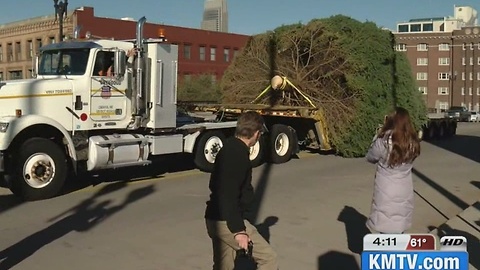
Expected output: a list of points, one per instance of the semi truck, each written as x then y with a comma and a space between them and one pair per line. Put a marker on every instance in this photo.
73, 118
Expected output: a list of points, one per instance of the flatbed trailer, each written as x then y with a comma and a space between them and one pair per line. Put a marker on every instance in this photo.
296, 128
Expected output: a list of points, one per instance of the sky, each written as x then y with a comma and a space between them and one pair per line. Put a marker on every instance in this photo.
245, 16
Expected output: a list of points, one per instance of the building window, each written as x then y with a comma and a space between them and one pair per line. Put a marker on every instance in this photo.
422, 89
444, 47
422, 47
38, 45
463, 91
214, 78
478, 91
471, 46
422, 61
52, 40
471, 76
403, 28
186, 51
478, 60
443, 106
464, 46
202, 53
1, 77
478, 76
30, 49
443, 90
463, 76
442, 76
212, 54
226, 55
477, 107
1, 53
415, 28
463, 61
235, 53
16, 75
471, 61
428, 27
422, 76
401, 47
469, 106
470, 92
18, 50
443, 61
10, 52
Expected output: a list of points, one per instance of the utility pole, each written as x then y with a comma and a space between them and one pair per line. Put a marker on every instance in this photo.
60, 12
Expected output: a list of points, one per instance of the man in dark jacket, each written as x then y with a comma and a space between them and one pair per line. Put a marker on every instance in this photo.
232, 197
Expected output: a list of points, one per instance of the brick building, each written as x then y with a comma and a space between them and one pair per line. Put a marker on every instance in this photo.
444, 54
200, 51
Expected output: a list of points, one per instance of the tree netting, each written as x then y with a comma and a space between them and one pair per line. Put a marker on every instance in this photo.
349, 70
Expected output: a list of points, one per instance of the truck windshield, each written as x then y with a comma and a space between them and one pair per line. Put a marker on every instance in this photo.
63, 62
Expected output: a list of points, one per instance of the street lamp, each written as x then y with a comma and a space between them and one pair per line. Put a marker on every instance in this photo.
60, 11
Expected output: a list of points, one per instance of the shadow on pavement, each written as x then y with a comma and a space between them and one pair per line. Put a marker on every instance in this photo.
476, 184
335, 260
264, 227
158, 167
447, 194
9, 201
473, 243
84, 216
355, 228
462, 145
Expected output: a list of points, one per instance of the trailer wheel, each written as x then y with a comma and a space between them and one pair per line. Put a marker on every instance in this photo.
452, 129
282, 143
207, 149
432, 131
441, 131
257, 152
39, 170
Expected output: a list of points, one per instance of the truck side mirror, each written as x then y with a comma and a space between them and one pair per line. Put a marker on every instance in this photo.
120, 63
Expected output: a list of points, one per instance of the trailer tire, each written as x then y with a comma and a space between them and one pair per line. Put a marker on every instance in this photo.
39, 170
441, 131
206, 150
281, 143
432, 131
257, 152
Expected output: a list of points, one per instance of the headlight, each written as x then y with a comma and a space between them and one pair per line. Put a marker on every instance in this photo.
3, 127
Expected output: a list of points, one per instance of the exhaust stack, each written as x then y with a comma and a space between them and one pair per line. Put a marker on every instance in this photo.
138, 89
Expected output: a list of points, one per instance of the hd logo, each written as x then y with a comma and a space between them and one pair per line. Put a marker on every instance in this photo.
453, 243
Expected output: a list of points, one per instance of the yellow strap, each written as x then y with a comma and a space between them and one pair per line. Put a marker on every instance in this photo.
298, 90
261, 94
282, 87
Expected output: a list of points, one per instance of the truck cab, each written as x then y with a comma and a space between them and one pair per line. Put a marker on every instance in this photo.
90, 104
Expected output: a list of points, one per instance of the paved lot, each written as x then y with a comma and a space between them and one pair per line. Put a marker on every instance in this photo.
312, 211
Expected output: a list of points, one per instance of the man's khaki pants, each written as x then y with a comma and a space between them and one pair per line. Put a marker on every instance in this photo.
225, 247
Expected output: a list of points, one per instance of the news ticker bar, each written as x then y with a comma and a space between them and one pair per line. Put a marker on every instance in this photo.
413, 242
414, 260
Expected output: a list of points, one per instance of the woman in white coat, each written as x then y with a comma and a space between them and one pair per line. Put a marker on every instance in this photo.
393, 150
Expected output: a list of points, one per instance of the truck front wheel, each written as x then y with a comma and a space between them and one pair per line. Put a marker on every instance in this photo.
207, 149
39, 170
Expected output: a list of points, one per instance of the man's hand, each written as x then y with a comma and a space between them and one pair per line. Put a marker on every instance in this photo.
132, 52
242, 239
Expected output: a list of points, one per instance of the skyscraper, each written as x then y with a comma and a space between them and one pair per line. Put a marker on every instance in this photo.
215, 16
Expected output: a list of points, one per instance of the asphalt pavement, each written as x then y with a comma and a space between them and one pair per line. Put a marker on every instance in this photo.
312, 211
